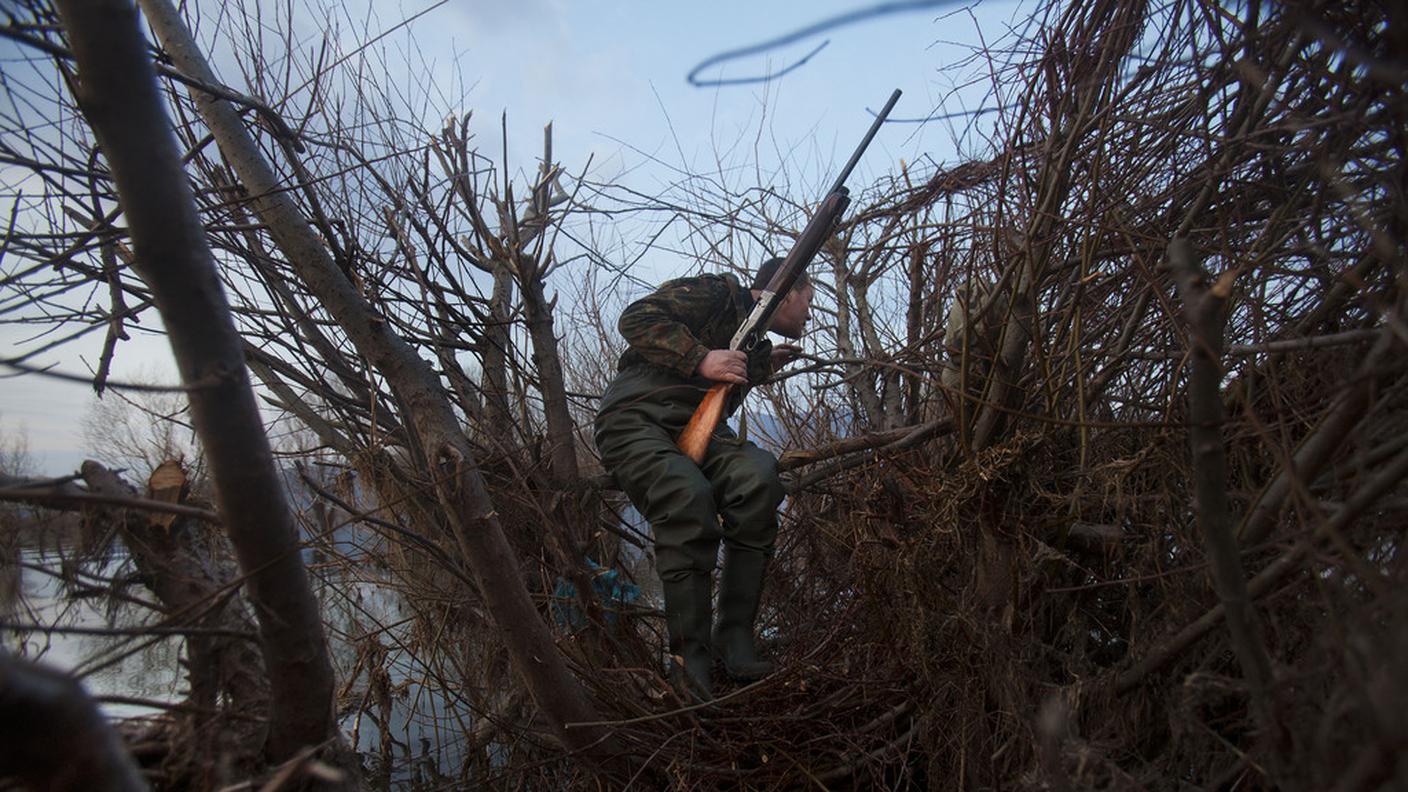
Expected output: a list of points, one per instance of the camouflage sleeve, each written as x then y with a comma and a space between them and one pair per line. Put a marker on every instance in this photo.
662, 326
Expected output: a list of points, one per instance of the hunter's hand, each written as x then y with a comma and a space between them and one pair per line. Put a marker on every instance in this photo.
725, 365
782, 354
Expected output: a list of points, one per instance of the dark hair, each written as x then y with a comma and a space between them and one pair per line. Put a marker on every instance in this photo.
769, 268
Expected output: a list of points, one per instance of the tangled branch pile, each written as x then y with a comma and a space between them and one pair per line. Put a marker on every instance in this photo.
1080, 506
1029, 598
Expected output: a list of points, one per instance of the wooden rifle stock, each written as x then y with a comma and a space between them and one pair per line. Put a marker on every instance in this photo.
694, 440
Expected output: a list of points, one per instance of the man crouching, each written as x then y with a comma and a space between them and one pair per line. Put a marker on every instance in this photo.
679, 338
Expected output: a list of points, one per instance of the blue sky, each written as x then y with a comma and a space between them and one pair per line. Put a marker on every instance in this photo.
617, 72
611, 78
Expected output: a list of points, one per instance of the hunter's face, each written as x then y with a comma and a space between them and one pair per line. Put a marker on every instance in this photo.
790, 319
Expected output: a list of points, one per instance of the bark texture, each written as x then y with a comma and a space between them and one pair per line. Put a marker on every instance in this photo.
459, 486
118, 94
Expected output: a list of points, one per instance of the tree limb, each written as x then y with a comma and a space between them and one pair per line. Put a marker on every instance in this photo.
118, 94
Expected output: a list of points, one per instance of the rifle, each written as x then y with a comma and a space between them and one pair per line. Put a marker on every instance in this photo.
694, 440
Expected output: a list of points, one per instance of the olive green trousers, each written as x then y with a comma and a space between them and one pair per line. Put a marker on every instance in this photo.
731, 498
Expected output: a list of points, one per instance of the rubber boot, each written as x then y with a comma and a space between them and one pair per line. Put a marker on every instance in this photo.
688, 613
740, 589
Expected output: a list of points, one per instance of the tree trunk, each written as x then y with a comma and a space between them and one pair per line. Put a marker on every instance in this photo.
118, 95
562, 441
862, 387
460, 486
494, 346
1204, 309
187, 564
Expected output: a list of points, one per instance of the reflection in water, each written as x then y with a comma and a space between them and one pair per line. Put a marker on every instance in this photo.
393, 711
397, 717
125, 666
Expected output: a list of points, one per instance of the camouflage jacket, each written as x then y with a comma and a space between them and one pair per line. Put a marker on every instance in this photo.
683, 320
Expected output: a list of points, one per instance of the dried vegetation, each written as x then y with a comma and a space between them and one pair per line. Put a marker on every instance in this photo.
1095, 463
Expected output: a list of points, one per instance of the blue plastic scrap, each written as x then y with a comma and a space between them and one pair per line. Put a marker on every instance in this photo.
613, 592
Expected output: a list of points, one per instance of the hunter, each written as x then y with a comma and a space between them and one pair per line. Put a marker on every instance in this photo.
679, 338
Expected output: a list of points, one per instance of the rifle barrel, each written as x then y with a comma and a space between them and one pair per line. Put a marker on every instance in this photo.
875, 127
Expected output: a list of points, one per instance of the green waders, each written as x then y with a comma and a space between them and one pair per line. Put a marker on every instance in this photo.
732, 498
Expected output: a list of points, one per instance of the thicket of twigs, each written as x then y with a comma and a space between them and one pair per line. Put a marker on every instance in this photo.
1027, 590
1095, 463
